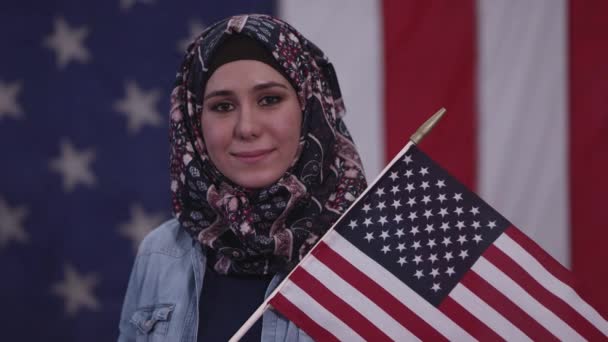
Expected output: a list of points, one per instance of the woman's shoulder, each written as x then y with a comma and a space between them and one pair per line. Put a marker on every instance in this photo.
169, 238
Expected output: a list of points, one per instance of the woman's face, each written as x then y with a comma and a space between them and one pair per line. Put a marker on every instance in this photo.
251, 122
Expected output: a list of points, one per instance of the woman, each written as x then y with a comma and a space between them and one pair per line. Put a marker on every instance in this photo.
261, 167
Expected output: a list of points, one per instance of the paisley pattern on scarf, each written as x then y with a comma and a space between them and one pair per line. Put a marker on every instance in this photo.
267, 230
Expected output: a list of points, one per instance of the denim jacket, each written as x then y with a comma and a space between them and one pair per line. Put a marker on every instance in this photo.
162, 299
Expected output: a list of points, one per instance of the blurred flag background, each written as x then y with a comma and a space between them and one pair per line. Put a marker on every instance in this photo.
84, 90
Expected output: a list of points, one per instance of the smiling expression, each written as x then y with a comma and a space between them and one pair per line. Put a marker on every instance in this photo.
251, 123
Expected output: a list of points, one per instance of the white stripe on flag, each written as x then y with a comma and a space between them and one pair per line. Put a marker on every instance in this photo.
408, 297
524, 300
549, 281
487, 314
318, 313
358, 301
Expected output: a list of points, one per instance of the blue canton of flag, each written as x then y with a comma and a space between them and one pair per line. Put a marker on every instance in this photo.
420, 257
84, 100
423, 226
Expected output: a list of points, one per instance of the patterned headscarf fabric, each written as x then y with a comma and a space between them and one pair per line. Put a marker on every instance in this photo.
263, 231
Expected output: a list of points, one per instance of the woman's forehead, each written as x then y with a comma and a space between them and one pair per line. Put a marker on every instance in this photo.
246, 75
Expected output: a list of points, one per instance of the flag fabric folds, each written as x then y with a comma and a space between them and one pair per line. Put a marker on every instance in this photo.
421, 257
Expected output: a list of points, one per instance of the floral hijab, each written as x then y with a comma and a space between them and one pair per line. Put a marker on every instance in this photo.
267, 230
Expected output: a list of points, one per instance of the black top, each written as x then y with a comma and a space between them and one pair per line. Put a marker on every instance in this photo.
226, 302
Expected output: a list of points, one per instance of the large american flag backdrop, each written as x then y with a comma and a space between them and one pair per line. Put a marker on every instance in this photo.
83, 131
419, 257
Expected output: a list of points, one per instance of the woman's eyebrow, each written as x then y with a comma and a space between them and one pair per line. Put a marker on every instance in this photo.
218, 93
257, 87
267, 85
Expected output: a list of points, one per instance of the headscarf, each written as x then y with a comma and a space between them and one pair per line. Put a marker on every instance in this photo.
263, 231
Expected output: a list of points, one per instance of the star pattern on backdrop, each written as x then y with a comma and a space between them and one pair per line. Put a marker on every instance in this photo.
68, 43
195, 27
74, 166
126, 5
9, 107
140, 224
11, 223
76, 290
84, 95
139, 107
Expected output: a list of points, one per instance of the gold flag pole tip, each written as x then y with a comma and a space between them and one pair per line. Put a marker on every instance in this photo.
426, 127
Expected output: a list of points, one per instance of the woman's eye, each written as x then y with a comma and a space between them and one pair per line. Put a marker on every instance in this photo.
222, 107
269, 100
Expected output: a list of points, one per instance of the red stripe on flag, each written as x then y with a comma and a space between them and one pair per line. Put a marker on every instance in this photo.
544, 296
337, 306
544, 258
429, 62
317, 332
467, 321
588, 76
506, 307
376, 293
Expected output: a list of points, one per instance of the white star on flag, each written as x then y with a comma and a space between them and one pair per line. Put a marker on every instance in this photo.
140, 107
401, 261
74, 166
416, 245
68, 43
353, 224
393, 176
77, 291
140, 224
11, 223
396, 204
441, 198
395, 189
9, 106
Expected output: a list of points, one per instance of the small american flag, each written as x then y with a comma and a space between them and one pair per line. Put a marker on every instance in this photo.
419, 256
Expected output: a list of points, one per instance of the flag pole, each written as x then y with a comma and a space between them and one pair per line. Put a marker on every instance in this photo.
415, 139
427, 126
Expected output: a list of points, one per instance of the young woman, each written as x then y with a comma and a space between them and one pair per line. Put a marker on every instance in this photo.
261, 166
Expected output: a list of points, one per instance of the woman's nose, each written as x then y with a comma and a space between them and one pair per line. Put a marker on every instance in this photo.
248, 125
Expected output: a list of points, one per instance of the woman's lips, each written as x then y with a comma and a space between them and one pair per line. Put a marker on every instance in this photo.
252, 156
